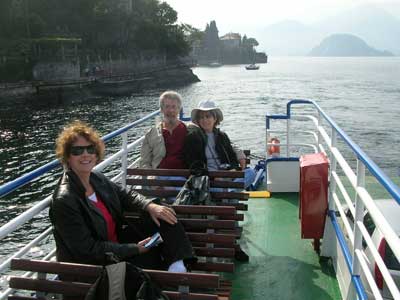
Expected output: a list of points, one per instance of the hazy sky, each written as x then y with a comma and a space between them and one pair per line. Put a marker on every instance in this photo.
239, 16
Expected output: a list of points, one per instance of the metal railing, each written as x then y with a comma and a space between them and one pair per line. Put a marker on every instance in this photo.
351, 247
25, 217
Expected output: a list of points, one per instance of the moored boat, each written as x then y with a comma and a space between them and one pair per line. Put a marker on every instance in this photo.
252, 67
214, 64
282, 265
115, 86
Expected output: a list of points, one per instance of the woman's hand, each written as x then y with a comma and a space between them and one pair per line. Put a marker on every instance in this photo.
242, 163
159, 212
142, 248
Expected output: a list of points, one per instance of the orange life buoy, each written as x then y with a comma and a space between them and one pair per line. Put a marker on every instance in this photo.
273, 150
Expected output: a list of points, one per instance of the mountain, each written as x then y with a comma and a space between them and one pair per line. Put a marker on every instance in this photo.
377, 27
288, 38
345, 45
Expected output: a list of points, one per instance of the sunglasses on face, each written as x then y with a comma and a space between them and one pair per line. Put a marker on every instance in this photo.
206, 116
78, 150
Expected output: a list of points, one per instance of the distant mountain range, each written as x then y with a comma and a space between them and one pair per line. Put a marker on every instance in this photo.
345, 45
377, 27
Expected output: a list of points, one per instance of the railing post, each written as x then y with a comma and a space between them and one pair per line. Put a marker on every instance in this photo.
359, 216
332, 182
124, 158
329, 245
287, 137
319, 137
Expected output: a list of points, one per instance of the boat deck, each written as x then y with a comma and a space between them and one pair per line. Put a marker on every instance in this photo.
282, 265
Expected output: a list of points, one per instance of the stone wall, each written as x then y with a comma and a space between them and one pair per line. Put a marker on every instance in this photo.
59, 70
118, 65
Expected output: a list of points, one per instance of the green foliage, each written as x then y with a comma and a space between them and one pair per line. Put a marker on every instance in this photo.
191, 33
253, 42
165, 14
103, 25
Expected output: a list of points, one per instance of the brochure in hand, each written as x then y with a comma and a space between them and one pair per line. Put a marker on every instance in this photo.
154, 241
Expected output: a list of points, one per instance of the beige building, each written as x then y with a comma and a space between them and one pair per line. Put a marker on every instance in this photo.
231, 40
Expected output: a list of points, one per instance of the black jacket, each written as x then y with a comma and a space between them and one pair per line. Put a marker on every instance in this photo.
79, 228
196, 143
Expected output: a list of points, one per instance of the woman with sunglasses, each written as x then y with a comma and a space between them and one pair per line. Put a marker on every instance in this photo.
206, 143
87, 213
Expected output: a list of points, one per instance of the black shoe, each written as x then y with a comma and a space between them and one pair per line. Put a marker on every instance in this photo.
240, 255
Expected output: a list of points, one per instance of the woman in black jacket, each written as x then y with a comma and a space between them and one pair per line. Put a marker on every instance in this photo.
207, 143
87, 213
212, 147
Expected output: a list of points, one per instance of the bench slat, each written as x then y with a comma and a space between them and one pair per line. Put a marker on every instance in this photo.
173, 193
16, 297
182, 173
80, 289
192, 279
238, 217
204, 210
226, 239
214, 252
180, 183
214, 267
204, 223
53, 267
191, 296
197, 224
239, 206
51, 286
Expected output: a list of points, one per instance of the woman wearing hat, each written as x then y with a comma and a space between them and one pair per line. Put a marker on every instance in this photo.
207, 143
211, 146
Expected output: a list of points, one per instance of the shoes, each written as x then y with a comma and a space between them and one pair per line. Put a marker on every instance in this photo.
240, 255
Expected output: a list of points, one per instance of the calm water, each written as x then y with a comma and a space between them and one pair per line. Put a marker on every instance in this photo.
361, 94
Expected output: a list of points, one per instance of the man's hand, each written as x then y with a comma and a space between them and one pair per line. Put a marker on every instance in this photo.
159, 212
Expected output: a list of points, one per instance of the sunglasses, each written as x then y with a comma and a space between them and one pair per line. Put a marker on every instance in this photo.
78, 150
206, 116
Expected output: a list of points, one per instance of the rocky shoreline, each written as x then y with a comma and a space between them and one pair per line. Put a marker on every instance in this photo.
164, 78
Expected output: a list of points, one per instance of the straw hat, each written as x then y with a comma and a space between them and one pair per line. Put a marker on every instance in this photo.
207, 105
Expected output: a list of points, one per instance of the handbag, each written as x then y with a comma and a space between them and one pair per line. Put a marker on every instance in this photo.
196, 190
124, 281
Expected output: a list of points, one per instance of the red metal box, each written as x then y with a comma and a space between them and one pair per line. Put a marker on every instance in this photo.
313, 194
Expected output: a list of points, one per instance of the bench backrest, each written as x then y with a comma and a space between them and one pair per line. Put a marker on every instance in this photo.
211, 238
213, 230
146, 182
206, 284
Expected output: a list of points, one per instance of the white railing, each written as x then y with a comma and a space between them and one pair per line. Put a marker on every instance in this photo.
339, 197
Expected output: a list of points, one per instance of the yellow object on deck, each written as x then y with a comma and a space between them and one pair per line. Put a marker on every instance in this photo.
259, 194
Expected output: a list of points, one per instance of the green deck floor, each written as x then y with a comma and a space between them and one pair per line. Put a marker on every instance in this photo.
282, 265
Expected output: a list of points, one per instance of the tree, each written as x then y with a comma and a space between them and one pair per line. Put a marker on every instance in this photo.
211, 41
165, 14
251, 42
191, 33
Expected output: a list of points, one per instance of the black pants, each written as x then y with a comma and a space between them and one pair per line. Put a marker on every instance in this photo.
175, 246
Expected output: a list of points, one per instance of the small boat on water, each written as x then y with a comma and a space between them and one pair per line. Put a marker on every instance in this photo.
118, 85
345, 246
214, 64
252, 67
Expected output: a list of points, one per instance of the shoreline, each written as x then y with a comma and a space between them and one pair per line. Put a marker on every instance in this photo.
121, 85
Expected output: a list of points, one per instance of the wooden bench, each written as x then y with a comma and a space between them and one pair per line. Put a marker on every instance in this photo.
147, 182
201, 222
212, 239
207, 286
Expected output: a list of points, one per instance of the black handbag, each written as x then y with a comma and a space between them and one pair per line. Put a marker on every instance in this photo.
196, 190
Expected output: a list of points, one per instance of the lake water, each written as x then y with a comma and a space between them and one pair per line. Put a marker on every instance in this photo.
361, 94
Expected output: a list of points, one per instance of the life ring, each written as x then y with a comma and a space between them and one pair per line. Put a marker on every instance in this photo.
274, 150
